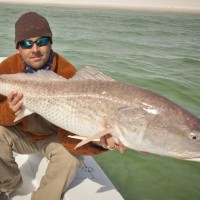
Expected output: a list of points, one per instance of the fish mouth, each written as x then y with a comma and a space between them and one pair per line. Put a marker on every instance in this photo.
193, 159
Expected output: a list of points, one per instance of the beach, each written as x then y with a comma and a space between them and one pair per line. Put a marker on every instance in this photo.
170, 5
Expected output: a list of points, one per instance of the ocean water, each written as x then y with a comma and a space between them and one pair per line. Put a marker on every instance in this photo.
155, 50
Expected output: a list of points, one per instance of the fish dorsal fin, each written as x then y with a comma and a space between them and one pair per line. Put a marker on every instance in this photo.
40, 75
90, 73
85, 73
48, 74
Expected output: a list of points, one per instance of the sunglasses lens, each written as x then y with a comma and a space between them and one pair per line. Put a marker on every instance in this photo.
42, 41
27, 44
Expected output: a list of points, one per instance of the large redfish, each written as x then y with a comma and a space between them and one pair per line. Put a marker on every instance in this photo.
92, 105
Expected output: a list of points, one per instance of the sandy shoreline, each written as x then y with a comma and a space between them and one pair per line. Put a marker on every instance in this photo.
168, 5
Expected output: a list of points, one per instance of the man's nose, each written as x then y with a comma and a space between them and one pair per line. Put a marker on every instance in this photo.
35, 48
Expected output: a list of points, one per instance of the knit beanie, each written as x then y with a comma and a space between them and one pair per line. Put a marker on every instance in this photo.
30, 25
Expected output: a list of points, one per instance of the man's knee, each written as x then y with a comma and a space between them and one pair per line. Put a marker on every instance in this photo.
3, 130
65, 157
5, 147
8, 134
3, 134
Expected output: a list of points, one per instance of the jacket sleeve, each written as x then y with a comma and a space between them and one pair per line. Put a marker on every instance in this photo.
6, 115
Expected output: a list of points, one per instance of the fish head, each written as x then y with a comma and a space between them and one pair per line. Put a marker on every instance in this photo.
192, 145
177, 136
180, 142
159, 133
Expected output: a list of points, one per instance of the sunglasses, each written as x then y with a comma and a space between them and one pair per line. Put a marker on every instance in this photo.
28, 44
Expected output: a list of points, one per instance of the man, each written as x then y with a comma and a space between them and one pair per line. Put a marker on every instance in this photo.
33, 40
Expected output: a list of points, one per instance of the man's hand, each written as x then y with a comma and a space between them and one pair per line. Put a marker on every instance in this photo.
15, 102
108, 142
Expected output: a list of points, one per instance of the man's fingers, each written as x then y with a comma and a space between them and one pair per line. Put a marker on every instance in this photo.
10, 97
121, 147
15, 101
17, 107
110, 141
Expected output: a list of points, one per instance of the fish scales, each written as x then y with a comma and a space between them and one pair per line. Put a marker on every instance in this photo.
141, 119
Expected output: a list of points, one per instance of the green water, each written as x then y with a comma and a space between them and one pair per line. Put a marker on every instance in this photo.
156, 50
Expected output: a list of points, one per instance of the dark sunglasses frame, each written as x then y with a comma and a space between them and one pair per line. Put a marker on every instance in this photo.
28, 44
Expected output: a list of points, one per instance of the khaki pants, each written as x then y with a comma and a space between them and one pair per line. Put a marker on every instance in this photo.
60, 172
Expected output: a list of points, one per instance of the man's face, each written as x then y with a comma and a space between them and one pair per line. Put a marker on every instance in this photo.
35, 56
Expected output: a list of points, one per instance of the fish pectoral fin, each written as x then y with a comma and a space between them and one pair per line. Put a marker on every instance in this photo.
94, 137
82, 138
25, 112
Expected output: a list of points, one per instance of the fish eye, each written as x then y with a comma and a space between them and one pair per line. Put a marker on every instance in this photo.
194, 135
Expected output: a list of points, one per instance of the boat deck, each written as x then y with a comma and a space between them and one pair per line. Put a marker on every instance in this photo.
90, 182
